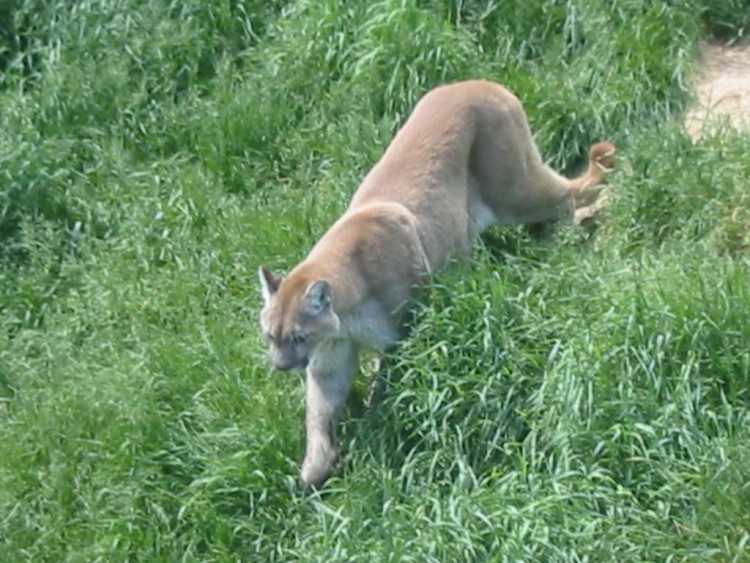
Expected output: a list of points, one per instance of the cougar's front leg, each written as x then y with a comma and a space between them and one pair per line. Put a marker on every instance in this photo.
329, 380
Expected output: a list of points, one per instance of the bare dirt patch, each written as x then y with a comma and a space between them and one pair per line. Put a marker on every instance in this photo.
723, 89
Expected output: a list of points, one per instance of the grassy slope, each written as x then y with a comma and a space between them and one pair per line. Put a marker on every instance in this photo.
560, 400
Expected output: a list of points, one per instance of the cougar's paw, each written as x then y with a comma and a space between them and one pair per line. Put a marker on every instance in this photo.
586, 216
314, 473
590, 214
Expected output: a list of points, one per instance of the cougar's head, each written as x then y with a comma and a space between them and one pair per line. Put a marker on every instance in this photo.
297, 315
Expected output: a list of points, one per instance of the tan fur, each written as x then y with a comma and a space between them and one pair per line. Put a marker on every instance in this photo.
464, 161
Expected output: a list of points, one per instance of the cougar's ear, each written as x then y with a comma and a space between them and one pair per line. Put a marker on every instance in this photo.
269, 282
318, 297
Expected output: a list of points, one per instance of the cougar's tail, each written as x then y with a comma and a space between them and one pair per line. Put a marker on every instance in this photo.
601, 161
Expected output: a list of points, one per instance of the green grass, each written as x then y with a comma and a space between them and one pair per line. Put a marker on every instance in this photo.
567, 400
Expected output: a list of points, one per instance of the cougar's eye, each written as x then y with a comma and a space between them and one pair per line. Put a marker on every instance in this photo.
299, 338
269, 337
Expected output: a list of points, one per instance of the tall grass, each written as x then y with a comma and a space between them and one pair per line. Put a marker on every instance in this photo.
572, 399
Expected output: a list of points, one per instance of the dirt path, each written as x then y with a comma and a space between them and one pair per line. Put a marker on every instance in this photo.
723, 89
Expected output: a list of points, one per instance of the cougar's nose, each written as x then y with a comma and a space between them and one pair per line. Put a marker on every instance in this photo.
287, 361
